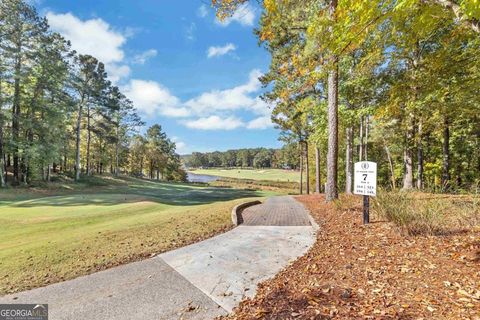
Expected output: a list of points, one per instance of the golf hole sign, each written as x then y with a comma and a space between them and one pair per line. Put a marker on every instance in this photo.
365, 178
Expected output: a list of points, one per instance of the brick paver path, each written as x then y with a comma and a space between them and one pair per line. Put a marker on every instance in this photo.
277, 211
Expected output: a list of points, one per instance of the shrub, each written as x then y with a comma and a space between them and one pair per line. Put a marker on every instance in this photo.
428, 214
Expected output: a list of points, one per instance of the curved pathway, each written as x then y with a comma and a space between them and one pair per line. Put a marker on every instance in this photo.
277, 211
199, 281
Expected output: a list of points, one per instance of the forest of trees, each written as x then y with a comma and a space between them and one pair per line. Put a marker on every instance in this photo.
59, 112
391, 81
286, 157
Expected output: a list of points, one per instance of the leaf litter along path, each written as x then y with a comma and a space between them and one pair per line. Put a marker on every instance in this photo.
199, 281
373, 272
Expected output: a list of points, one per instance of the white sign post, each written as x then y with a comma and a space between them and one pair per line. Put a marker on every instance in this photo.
365, 183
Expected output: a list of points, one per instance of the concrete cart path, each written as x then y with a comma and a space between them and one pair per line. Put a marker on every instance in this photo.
228, 267
200, 281
148, 289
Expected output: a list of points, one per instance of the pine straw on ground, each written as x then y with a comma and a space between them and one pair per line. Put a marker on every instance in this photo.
373, 272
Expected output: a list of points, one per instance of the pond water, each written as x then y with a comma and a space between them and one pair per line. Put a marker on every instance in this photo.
193, 177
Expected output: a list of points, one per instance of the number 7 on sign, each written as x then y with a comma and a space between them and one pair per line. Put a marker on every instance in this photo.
364, 177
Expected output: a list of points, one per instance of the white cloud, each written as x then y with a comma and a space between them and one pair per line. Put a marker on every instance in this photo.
143, 57
229, 99
213, 110
215, 123
245, 15
260, 107
94, 37
202, 11
181, 147
117, 72
190, 31
220, 51
216, 108
152, 98
263, 122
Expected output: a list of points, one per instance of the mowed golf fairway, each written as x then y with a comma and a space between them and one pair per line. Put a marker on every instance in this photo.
47, 239
253, 174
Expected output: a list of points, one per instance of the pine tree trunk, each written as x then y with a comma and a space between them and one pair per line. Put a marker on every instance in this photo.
446, 156
408, 159
26, 165
88, 141
317, 170
331, 192
390, 164
151, 170
301, 171
420, 156
16, 116
365, 148
349, 162
307, 169
116, 152
24, 168
3, 182
408, 163
77, 146
360, 152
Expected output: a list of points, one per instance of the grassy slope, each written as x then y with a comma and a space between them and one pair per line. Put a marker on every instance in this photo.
69, 230
253, 174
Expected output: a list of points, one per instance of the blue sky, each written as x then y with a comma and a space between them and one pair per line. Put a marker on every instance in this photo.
182, 68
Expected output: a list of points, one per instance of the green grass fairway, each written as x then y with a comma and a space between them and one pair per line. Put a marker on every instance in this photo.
57, 234
253, 174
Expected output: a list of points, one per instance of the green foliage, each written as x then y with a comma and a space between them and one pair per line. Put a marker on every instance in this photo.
408, 83
59, 112
246, 158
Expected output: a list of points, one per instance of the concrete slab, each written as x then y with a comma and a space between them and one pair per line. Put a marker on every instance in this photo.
147, 289
228, 267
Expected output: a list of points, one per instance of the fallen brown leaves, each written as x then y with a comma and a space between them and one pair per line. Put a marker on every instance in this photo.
373, 272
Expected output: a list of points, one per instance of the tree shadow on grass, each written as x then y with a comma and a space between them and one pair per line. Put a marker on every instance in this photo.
164, 193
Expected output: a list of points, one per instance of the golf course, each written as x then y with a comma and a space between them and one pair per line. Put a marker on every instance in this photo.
252, 174
66, 230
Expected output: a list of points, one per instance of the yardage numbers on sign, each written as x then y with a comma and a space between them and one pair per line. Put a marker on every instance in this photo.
365, 178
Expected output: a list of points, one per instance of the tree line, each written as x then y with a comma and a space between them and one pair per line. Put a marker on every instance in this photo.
59, 112
391, 81
284, 158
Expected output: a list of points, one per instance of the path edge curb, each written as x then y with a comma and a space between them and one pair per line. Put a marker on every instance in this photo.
237, 218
